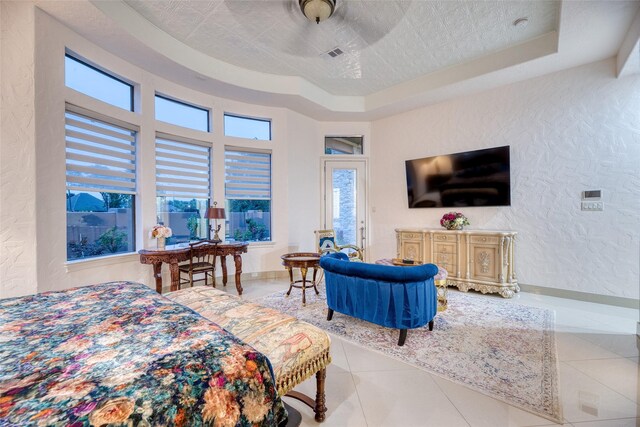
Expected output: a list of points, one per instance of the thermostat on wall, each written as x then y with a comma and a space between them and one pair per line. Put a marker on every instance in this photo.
592, 195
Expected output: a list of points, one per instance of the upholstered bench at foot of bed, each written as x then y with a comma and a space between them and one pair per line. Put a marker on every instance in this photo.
295, 348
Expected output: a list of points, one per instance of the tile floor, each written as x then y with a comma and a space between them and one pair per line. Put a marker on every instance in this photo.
599, 377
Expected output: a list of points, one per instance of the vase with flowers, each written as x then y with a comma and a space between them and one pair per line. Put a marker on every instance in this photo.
454, 221
161, 233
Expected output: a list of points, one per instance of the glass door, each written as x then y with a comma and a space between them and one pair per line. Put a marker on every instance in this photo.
345, 201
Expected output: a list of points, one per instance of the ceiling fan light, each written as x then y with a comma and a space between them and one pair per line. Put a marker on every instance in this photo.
317, 10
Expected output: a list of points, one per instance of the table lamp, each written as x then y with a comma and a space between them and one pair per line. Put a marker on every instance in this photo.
215, 214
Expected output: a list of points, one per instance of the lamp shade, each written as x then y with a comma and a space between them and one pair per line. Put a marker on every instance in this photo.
215, 213
317, 10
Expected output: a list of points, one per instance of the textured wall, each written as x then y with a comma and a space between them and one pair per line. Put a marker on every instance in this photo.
33, 168
570, 131
17, 151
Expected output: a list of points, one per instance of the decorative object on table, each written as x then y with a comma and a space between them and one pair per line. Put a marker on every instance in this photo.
161, 233
215, 214
454, 221
497, 347
402, 262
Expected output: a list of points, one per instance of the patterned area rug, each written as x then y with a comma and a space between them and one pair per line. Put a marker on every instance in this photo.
497, 347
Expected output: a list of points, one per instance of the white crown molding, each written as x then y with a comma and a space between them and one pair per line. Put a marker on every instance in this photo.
116, 27
156, 39
628, 58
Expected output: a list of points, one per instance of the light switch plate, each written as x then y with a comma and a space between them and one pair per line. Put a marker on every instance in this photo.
592, 206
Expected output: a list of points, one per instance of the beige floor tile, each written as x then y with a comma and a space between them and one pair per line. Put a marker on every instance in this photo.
483, 411
625, 345
367, 388
365, 360
619, 374
571, 346
339, 361
343, 405
407, 398
625, 422
585, 399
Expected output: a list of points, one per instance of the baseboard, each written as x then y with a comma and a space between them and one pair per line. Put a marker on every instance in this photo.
581, 296
260, 275
244, 277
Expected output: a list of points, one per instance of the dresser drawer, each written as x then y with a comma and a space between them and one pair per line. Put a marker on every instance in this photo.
437, 237
411, 236
445, 248
445, 257
487, 240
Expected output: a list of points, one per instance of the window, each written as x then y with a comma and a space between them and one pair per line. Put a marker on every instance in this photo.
248, 194
181, 114
343, 144
183, 182
101, 185
97, 83
246, 127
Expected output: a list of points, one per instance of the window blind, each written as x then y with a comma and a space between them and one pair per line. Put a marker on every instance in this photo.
183, 169
247, 174
100, 156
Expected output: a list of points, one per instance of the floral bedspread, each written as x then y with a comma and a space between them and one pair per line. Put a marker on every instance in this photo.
119, 354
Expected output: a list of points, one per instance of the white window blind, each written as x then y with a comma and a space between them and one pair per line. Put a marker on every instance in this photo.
100, 156
247, 174
183, 168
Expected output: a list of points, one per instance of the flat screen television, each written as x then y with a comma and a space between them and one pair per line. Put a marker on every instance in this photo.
472, 178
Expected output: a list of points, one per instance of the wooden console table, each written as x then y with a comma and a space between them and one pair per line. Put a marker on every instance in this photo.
481, 260
175, 254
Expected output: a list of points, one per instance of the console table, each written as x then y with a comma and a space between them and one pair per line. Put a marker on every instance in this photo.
174, 254
481, 260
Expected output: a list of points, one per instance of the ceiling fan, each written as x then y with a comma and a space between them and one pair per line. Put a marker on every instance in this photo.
317, 10
350, 25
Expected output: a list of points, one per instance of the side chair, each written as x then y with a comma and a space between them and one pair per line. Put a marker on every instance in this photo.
326, 243
202, 260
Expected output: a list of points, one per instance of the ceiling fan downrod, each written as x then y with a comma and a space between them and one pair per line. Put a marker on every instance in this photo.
317, 10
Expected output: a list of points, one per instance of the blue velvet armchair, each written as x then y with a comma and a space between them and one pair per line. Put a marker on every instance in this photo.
390, 296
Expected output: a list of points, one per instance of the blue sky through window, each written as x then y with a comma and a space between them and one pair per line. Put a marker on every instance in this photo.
97, 84
246, 127
181, 114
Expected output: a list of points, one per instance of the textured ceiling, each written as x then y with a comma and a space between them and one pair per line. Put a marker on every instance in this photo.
384, 42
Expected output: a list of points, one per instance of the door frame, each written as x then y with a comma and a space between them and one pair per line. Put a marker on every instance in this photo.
324, 160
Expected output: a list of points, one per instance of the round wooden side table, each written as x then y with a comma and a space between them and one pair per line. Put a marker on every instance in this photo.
304, 261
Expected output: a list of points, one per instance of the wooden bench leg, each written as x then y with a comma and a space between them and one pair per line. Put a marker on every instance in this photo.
320, 408
317, 405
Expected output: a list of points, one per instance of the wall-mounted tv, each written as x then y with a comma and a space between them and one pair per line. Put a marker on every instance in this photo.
472, 178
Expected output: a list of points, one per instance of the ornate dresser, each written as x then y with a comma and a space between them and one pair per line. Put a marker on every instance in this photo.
481, 260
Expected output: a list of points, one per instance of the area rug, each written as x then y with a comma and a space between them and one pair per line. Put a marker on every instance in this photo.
497, 347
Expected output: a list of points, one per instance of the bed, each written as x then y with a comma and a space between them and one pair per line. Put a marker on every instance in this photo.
120, 354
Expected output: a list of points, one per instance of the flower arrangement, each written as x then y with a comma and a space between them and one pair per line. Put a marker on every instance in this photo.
454, 221
160, 231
